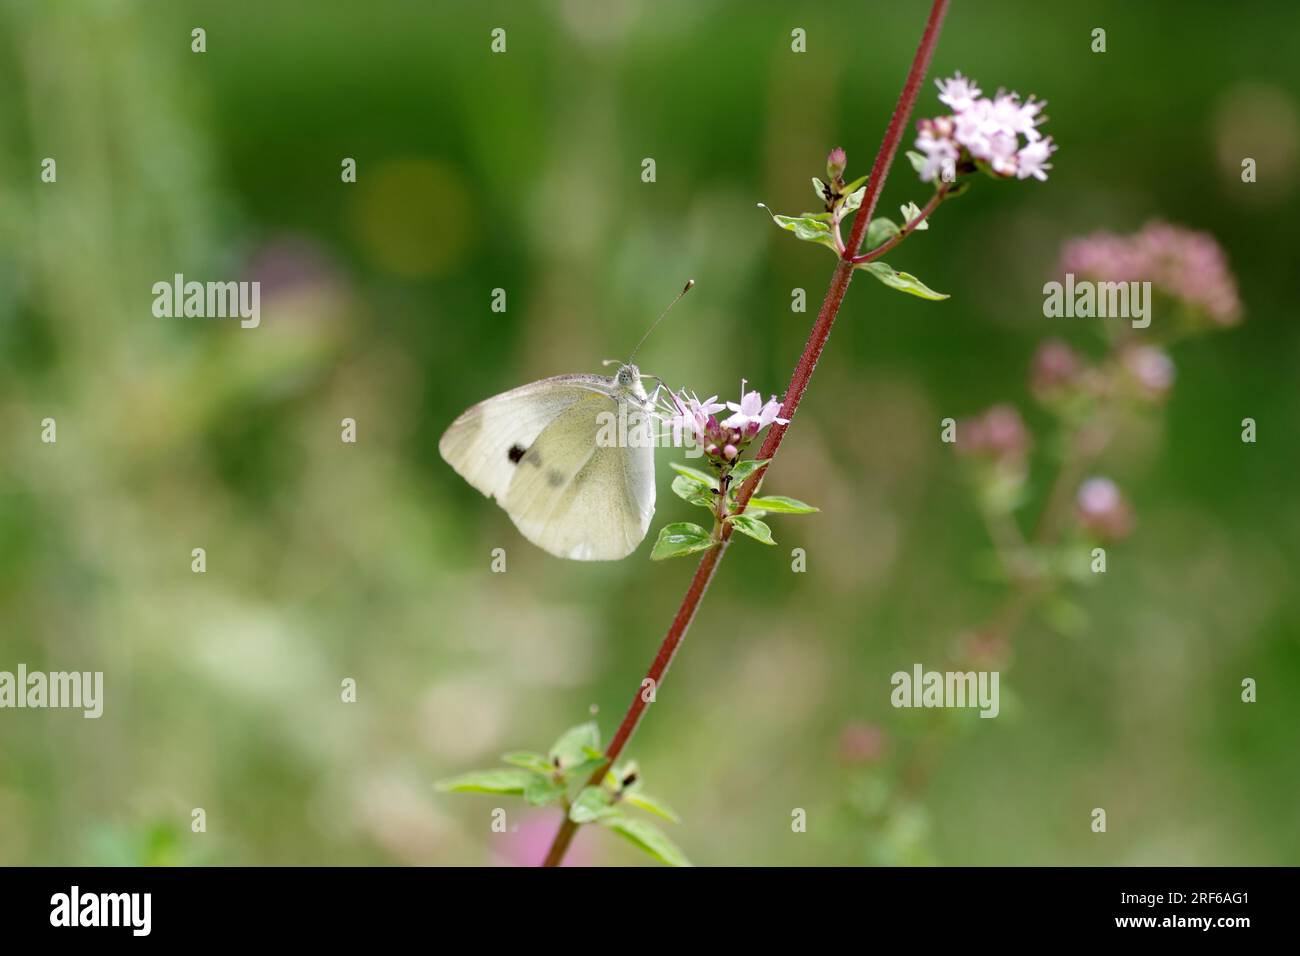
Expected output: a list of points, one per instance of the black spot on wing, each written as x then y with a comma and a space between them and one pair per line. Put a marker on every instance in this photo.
515, 453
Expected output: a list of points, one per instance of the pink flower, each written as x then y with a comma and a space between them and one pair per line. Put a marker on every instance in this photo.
1151, 369
1186, 265
1032, 160
999, 433
753, 412
941, 155
985, 130
1056, 369
959, 92
692, 415
1103, 510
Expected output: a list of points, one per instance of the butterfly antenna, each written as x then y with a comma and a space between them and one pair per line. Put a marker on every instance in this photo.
685, 289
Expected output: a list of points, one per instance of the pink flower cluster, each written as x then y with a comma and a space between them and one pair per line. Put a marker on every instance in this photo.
985, 131
1186, 265
723, 440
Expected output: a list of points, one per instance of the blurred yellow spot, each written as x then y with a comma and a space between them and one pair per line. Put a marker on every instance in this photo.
413, 217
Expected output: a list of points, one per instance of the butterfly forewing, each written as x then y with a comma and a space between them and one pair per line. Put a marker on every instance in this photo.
535, 450
581, 499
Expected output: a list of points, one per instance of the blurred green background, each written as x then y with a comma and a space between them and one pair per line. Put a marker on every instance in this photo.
522, 171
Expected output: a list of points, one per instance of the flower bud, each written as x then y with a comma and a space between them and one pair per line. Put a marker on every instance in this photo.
730, 452
862, 743
1056, 368
982, 650
1151, 370
835, 163
1102, 509
999, 432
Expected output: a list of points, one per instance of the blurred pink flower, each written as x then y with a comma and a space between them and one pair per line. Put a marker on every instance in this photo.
862, 743
1056, 368
526, 843
1000, 432
1186, 265
1102, 509
1151, 370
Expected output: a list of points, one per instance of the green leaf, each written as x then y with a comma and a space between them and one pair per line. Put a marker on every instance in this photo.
821, 189
695, 474
853, 186
529, 761
902, 281
688, 489
644, 801
746, 468
881, 231
591, 804
916, 159
573, 745
804, 227
780, 504
584, 769
912, 211
496, 780
680, 538
748, 524
853, 200
542, 791
648, 837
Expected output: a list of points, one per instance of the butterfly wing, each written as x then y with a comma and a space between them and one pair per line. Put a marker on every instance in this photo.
486, 442
535, 450
579, 497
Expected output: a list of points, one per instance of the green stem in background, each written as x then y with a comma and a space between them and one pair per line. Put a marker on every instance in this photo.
1083, 445
793, 395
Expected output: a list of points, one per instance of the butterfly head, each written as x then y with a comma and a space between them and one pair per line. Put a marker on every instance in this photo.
628, 380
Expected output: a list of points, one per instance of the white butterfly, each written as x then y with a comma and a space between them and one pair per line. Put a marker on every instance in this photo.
547, 453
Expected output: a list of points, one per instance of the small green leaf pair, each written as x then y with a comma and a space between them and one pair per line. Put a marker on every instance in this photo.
810, 227
541, 779
701, 489
604, 805
824, 228
545, 779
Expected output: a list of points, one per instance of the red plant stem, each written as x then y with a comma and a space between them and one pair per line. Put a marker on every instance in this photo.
794, 393
894, 133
